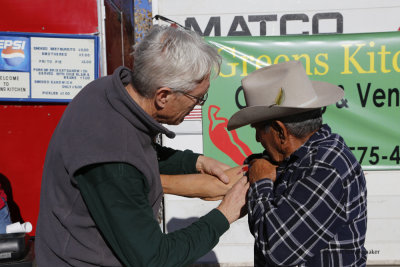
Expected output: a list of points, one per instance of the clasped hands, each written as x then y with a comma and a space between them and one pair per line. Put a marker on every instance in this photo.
231, 185
212, 183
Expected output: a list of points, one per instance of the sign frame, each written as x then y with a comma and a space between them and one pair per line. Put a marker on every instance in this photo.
31, 36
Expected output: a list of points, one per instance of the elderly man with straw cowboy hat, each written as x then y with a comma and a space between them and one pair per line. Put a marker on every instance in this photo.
307, 200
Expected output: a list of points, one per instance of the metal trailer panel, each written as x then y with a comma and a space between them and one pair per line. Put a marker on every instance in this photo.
25, 129
226, 17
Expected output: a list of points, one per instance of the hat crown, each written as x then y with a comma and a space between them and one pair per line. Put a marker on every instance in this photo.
285, 84
282, 90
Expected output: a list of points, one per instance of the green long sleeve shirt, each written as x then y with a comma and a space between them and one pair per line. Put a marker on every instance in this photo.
116, 197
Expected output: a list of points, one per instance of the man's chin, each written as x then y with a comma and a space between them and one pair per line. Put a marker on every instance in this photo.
179, 122
176, 122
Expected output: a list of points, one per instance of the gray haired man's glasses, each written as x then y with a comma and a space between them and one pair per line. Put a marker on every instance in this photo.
199, 100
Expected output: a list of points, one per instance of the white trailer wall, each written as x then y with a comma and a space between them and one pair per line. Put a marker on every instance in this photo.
231, 17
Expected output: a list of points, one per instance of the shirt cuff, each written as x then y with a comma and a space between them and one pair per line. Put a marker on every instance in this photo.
261, 188
218, 220
191, 159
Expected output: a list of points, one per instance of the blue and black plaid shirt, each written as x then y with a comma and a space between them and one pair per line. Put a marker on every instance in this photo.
315, 214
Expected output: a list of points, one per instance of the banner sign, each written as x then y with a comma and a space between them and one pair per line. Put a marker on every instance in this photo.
366, 66
46, 67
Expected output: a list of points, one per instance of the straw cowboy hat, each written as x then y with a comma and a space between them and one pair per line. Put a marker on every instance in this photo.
281, 90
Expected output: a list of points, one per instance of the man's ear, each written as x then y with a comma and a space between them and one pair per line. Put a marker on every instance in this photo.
162, 96
281, 131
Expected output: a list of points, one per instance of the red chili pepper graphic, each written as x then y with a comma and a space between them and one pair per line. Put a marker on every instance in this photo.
227, 142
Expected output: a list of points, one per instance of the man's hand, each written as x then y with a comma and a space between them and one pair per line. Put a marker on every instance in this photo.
204, 186
234, 175
261, 169
233, 204
212, 167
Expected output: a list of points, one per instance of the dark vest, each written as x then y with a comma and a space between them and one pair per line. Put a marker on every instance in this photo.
101, 124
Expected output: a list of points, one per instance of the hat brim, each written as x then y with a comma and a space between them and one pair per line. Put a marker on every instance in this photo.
326, 94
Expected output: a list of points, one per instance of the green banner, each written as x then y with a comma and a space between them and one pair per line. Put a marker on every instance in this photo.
366, 66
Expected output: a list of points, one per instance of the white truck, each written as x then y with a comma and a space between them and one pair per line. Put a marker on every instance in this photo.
274, 18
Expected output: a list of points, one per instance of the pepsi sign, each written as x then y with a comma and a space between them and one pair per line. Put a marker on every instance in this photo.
14, 53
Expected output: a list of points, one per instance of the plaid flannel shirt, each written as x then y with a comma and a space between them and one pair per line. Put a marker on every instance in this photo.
315, 214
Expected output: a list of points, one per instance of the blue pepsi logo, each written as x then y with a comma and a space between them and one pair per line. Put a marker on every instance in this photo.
13, 57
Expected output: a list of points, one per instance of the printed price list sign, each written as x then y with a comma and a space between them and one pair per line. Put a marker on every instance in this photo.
46, 67
61, 67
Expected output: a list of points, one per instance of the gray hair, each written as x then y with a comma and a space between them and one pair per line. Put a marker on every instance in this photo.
303, 128
302, 124
173, 57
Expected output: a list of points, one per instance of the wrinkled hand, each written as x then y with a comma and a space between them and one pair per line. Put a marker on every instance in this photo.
261, 169
233, 204
212, 167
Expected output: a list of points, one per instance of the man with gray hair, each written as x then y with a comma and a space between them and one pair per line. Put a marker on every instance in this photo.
101, 188
307, 200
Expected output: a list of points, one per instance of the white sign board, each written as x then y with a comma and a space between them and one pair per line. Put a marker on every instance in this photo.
14, 84
43, 67
281, 17
61, 67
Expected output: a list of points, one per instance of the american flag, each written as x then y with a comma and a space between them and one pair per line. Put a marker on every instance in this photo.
195, 114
